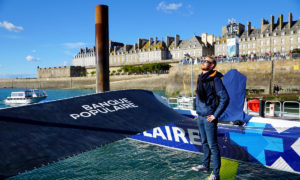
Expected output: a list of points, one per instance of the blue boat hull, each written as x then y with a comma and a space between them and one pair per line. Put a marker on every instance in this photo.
260, 141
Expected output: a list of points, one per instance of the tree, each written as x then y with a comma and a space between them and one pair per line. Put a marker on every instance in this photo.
296, 50
93, 73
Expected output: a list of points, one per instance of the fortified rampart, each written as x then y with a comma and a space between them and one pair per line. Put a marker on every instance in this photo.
148, 81
260, 78
60, 72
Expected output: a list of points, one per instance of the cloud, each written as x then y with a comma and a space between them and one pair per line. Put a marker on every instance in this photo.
9, 36
189, 9
9, 26
31, 58
74, 45
65, 63
0, 65
168, 8
34, 51
69, 53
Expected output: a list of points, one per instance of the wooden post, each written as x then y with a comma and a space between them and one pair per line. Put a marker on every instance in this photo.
101, 48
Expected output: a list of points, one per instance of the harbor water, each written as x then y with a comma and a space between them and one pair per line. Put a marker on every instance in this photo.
131, 159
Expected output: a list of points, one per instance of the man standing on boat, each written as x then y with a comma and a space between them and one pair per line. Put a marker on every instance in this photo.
212, 99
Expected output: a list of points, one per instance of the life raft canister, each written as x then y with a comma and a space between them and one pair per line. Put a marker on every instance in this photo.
253, 105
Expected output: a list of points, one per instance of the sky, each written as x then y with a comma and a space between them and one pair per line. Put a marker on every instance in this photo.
49, 33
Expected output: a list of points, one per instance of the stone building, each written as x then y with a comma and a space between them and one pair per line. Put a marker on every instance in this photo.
150, 50
59, 72
272, 37
196, 47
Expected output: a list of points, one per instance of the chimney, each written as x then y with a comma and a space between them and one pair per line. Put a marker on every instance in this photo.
139, 43
176, 40
290, 20
204, 38
109, 45
155, 40
272, 24
169, 41
248, 28
115, 49
280, 21
150, 41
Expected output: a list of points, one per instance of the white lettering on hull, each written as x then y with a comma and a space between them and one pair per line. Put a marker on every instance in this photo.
109, 106
178, 134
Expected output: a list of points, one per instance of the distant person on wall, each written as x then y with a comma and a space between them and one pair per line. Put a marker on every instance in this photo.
275, 90
211, 101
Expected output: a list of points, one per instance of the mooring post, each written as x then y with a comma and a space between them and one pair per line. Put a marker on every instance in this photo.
101, 48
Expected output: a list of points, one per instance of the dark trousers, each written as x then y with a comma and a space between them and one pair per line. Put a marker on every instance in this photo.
208, 133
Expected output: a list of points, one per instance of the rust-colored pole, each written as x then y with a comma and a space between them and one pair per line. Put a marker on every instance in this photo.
102, 48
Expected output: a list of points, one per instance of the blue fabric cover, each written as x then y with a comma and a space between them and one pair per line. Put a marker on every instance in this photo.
235, 84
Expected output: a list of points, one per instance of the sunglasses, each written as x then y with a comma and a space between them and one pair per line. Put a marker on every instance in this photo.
206, 61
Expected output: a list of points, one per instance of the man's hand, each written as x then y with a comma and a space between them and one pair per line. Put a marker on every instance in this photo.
196, 117
210, 118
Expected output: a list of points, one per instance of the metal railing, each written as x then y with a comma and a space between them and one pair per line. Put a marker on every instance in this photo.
289, 109
292, 110
185, 102
267, 108
275, 56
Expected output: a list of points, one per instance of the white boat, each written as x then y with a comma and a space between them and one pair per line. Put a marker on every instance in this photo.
26, 97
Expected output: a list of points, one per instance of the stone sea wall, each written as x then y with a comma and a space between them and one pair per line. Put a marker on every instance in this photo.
260, 78
150, 82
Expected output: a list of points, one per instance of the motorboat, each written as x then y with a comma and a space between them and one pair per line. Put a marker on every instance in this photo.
26, 97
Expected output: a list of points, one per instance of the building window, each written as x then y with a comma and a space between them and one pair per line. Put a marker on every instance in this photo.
291, 40
274, 41
253, 45
283, 33
244, 46
298, 38
274, 50
282, 49
261, 50
261, 42
282, 41
268, 42
248, 45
